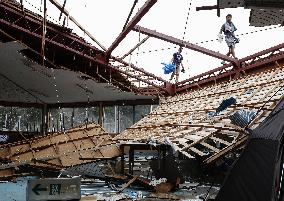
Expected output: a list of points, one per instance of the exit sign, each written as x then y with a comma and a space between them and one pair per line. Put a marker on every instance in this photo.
54, 189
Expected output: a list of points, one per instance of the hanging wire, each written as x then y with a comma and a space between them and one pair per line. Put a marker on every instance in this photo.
61, 114
139, 40
187, 20
185, 29
40, 10
138, 49
57, 99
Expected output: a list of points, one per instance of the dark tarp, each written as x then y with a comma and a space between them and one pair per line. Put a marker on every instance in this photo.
256, 174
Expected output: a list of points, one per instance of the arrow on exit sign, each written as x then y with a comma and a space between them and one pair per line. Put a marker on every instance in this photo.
37, 189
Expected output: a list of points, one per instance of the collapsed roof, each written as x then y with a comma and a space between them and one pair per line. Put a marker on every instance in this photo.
184, 121
23, 80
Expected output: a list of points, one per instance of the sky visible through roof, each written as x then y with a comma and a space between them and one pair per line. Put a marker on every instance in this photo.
105, 20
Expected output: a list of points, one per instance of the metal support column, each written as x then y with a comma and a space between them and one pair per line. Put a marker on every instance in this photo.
131, 160
101, 114
122, 161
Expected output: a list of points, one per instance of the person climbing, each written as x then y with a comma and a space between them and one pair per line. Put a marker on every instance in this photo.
228, 28
177, 61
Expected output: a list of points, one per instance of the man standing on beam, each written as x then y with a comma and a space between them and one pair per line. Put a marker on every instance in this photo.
177, 61
229, 30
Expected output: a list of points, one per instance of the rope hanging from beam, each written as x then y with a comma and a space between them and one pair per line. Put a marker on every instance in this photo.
187, 20
185, 29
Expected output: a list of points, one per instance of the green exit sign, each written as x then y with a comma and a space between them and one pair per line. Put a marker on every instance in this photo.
54, 189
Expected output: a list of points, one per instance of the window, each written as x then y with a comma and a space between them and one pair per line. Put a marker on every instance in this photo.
80, 116
110, 119
141, 111
93, 114
55, 122
20, 119
125, 117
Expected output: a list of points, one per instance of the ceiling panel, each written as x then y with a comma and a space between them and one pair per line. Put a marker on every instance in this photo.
264, 3
231, 3
23, 80
266, 17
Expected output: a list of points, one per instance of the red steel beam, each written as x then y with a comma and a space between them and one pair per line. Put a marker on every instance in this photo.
261, 53
204, 74
32, 18
269, 50
182, 86
185, 44
146, 7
